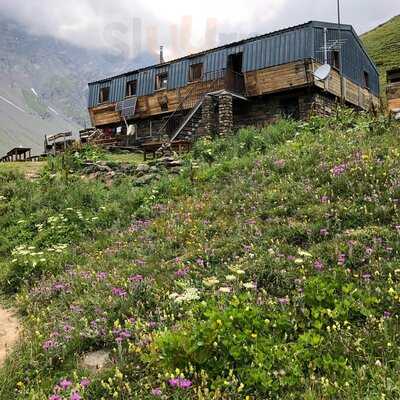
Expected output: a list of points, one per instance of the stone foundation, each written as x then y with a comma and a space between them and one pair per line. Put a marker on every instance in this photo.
208, 123
225, 115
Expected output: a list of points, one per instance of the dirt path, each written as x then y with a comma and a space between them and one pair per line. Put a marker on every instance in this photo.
9, 329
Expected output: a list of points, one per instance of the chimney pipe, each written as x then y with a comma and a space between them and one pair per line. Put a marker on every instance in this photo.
162, 61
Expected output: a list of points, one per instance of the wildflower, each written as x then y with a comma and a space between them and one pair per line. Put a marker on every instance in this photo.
101, 276
119, 292
55, 397
211, 281
225, 290
366, 277
75, 396
85, 383
324, 199
387, 314
65, 384
319, 265
324, 232
136, 278
338, 170
283, 301
230, 278
279, 163
180, 383
182, 272
49, 344
200, 262
156, 392
342, 259
250, 285
378, 363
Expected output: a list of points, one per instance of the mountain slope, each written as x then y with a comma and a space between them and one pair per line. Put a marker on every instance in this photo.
383, 45
47, 79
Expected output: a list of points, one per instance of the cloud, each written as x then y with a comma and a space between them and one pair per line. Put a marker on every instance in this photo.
128, 27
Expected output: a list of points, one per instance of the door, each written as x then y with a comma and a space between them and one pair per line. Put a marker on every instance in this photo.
234, 73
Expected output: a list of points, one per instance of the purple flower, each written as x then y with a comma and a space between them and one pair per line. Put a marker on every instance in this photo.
387, 314
319, 265
283, 301
180, 383
156, 392
119, 292
101, 276
182, 272
200, 262
55, 397
324, 199
324, 232
65, 384
49, 344
342, 259
75, 396
136, 278
366, 277
85, 383
369, 251
338, 170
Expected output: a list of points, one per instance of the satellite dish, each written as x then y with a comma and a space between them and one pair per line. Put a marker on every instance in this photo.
323, 72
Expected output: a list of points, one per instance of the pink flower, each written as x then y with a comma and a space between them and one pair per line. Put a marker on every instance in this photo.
180, 383
85, 383
338, 170
156, 392
319, 265
342, 259
182, 272
279, 163
75, 396
65, 384
136, 278
283, 301
324, 232
55, 397
119, 292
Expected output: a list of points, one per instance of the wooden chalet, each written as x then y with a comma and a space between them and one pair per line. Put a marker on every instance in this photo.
251, 82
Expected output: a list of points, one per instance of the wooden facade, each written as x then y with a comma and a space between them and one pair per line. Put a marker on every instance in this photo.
393, 90
256, 69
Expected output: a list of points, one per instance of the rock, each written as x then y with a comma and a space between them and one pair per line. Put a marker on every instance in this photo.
103, 168
175, 170
143, 168
154, 169
175, 163
145, 179
96, 361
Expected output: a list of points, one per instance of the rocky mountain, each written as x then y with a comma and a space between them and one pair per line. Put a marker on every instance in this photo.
43, 84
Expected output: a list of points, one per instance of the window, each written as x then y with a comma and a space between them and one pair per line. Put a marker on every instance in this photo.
131, 88
196, 72
366, 79
104, 95
162, 81
335, 59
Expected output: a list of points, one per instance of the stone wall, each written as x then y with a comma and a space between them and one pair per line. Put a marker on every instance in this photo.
265, 110
225, 115
208, 123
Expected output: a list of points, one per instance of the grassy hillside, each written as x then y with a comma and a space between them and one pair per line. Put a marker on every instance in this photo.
269, 269
383, 45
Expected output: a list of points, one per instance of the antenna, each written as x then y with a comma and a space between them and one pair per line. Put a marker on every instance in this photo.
323, 72
162, 61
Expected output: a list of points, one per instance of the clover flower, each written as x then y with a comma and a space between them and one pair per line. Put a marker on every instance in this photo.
65, 384
180, 383
156, 392
119, 292
319, 265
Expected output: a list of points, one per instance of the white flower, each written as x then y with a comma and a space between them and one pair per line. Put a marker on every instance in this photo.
304, 253
225, 290
249, 285
211, 281
230, 278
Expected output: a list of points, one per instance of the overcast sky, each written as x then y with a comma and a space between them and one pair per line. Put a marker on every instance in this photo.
131, 26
